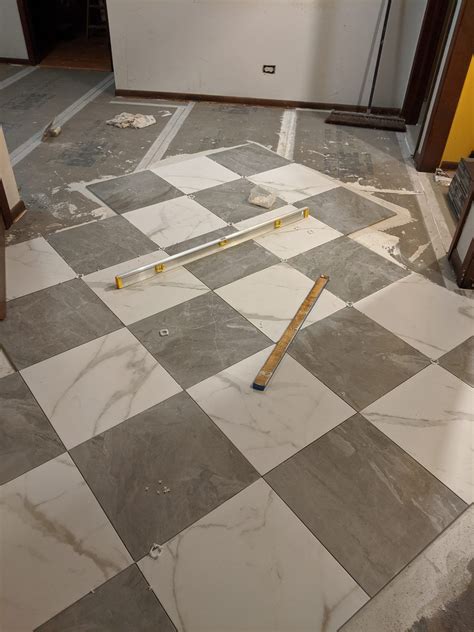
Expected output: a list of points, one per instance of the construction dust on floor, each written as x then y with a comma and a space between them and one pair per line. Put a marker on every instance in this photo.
144, 483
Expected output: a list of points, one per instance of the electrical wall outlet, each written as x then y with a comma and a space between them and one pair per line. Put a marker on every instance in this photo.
269, 69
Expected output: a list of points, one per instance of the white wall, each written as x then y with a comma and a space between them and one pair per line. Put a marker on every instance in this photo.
12, 41
323, 49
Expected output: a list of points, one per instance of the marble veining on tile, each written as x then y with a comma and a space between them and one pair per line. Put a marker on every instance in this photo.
354, 270
172, 446
355, 357
426, 315
460, 361
232, 264
294, 182
57, 544
249, 159
53, 320
434, 592
93, 387
133, 191
371, 505
345, 210
198, 241
122, 604
142, 299
297, 238
295, 409
431, 417
281, 577
27, 439
269, 298
230, 201
33, 265
195, 174
174, 221
205, 336
102, 244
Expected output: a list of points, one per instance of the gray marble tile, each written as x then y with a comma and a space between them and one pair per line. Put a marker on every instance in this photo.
354, 271
174, 446
205, 336
460, 361
27, 439
434, 593
230, 201
230, 265
249, 159
102, 244
136, 190
345, 210
199, 240
122, 604
355, 357
371, 505
54, 320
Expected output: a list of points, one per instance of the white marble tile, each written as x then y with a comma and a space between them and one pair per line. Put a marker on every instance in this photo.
269, 427
148, 297
195, 174
249, 566
293, 239
57, 544
270, 298
294, 182
427, 316
93, 387
296, 238
174, 221
5, 366
431, 417
34, 265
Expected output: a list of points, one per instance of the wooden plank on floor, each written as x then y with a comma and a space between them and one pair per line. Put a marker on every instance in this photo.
268, 369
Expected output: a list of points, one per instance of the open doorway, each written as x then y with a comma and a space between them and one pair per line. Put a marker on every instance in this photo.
67, 33
431, 44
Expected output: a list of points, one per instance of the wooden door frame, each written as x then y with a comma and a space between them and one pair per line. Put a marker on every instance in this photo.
429, 154
26, 26
436, 20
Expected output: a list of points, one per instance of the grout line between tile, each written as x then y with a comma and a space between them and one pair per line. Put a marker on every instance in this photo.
315, 536
408, 563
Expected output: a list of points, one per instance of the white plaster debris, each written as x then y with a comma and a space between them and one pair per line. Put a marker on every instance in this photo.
137, 121
441, 177
261, 197
155, 551
287, 134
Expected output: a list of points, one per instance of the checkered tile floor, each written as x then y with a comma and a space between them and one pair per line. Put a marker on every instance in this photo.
278, 511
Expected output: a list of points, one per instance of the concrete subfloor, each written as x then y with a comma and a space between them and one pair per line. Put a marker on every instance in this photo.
53, 181
51, 177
